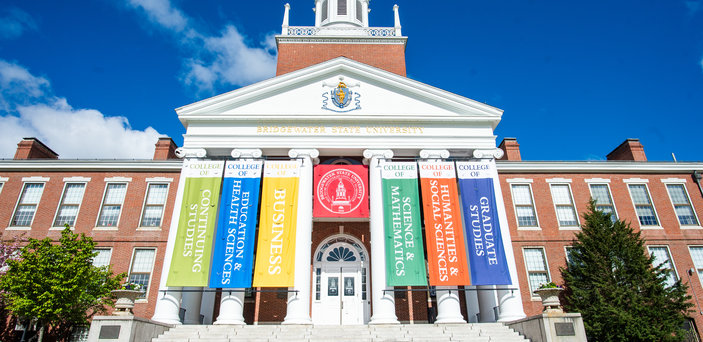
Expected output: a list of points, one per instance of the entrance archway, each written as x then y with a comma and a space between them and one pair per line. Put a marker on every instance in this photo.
340, 286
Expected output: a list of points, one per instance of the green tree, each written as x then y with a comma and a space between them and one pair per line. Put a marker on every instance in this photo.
612, 281
57, 284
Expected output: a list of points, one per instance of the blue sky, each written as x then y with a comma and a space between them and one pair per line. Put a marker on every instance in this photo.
101, 78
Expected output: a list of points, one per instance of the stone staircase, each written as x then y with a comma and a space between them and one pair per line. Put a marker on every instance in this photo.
472, 332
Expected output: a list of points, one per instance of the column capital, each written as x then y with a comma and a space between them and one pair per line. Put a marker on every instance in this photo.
246, 153
303, 152
368, 154
488, 153
434, 154
191, 152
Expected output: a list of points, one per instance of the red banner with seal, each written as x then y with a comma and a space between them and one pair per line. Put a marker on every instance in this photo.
341, 191
446, 253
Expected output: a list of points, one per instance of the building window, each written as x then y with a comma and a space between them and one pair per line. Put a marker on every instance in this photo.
524, 205
604, 201
154, 205
112, 204
568, 250
1, 184
27, 205
662, 257
341, 7
697, 257
643, 205
324, 10
359, 13
70, 203
682, 204
103, 257
140, 271
536, 265
564, 204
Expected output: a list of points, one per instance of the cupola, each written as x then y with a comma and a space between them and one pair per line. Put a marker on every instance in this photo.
342, 13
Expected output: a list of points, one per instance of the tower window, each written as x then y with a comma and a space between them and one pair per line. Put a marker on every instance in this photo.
359, 9
324, 10
341, 7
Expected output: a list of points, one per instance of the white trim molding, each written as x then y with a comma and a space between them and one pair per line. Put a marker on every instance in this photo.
35, 179
558, 180
159, 180
76, 179
597, 180
4, 179
118, 179
635, 181
519, 180
673, 180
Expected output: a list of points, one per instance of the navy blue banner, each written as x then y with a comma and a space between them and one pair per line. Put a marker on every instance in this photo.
233, 255
486, 252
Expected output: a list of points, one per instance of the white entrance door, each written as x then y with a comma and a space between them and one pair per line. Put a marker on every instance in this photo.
339, 294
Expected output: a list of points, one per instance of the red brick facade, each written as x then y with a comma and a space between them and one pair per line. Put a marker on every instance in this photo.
295, 56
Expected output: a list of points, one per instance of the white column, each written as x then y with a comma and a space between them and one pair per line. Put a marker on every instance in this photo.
383, 303
168, 304
448, 305
318, 13
284, 26
486, 303
510, 301
231, 308
365, 13
298, 309
191, 302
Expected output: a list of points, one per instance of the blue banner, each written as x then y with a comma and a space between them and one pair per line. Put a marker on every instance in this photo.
233, 255
486, 252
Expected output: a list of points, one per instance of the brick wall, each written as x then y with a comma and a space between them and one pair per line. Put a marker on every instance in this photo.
294, 56
554, 240
123, 240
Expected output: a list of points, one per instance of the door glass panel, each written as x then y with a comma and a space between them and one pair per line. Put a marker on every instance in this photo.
348, 286
332, 287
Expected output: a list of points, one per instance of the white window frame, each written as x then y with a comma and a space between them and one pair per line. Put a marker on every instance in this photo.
151, 272
527, 271
682, 182
528, 182
567, 182
697, 267
566, 252
108, 181
645, 182
25, 181
58, 207
155, 181
3, 180
671, 259
606, 182
109, 261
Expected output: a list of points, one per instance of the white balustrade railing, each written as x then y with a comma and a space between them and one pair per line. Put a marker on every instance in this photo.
352, 31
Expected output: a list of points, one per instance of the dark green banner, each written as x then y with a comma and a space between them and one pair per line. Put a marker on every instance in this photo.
405, 259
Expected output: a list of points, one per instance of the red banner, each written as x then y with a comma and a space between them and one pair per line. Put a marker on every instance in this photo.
446, 253
341, 191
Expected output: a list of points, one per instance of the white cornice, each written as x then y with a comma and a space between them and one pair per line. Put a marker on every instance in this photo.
90, 165
341, 40
506, 167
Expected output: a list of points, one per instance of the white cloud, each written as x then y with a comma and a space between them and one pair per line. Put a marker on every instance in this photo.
225, 59
15, 22
31, 110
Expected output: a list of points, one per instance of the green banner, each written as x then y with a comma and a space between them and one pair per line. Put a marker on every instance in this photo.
190, 265
405, 259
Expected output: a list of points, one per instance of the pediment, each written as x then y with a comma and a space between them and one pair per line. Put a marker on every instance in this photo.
372, 95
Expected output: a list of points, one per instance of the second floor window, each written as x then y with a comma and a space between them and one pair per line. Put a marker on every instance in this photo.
70, 203
154, 205
604, 201
682, 205
27, 205
112, 204
643, 205
564, 204
524, 207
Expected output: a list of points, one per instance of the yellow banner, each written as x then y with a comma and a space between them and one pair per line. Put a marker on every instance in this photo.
275, 256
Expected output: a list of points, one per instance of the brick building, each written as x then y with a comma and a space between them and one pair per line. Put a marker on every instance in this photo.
132, 208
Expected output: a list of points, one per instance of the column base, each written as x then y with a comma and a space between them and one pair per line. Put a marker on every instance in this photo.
229, 322
382, 321
297, 321
450, 320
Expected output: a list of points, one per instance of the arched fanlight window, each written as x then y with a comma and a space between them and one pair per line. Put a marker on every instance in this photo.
341, 254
